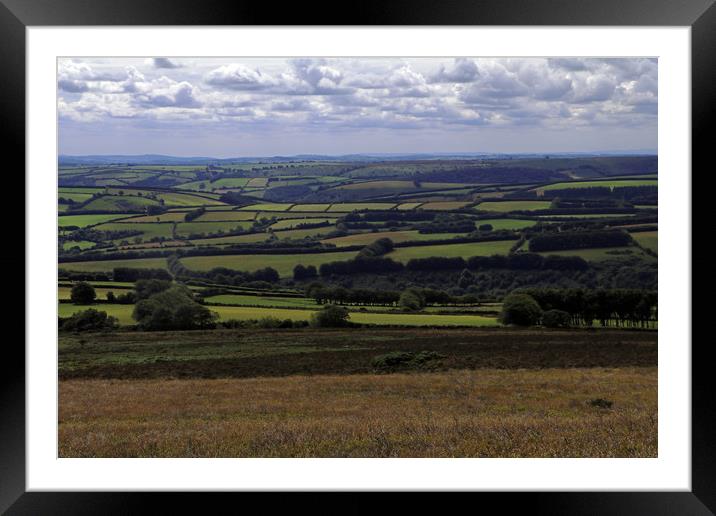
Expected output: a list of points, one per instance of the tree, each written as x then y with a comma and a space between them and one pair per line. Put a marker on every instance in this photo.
82, 293
332, 316
172, 309
145, 288
89, 320
466, 279
556, 319
521, 310
302, 273
411, 299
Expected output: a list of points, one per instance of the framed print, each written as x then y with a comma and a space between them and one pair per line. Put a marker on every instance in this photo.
416, 250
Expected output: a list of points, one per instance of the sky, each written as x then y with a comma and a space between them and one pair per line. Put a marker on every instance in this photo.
243, 107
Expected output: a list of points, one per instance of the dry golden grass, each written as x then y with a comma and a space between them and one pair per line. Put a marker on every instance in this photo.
480, 413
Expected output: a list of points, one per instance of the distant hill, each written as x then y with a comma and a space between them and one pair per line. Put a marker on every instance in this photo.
160, 159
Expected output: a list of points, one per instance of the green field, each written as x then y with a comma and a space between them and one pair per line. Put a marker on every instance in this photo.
75, 196
120, 203
397, 185
353, 206
229, 182
270, 206
108, 265
291, 223
303, 233
182, 199
148, 230
83, 221
507, 206
647, 239
265, 301
64, 292
395, 236
233, 239
82, 244
283, 263
204, 228
588, 184
164, 217
310, 207
123, 313
444, 205
498, 224
403, 254
281, 215
212, 216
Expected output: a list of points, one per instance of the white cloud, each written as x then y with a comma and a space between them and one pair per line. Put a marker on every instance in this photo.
350, 94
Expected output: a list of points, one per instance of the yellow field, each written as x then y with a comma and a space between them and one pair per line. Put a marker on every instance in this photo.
481, 413
444, 205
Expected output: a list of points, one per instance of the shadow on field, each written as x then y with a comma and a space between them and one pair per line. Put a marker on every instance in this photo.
257, 353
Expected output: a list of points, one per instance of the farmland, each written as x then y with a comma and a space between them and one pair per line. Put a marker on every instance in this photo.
355, 307
452, 250
284, 264
508, 206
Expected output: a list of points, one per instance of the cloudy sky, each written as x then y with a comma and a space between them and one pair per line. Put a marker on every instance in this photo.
232, 107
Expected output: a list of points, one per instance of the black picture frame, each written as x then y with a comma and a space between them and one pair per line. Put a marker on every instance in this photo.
16, 15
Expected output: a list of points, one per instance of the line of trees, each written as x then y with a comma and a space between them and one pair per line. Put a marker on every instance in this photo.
608, 307
448, 223
131, 274
361, 265
517, 261
194, 214
378, 248
323, 294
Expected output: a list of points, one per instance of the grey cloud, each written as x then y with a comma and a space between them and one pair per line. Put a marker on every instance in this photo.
164, 62
72, 86
463, 70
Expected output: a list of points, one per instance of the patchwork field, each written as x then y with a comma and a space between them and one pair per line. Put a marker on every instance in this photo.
395, 236
507, 206
108, 265
647, 239
267, 207
347, 207
444, 205
83, 221
610, 184
283, 264
291, 223
404, 254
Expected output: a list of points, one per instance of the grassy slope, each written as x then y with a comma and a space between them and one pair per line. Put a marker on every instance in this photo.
486, 413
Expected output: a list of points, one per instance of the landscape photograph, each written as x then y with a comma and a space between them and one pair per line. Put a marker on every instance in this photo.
318, 257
